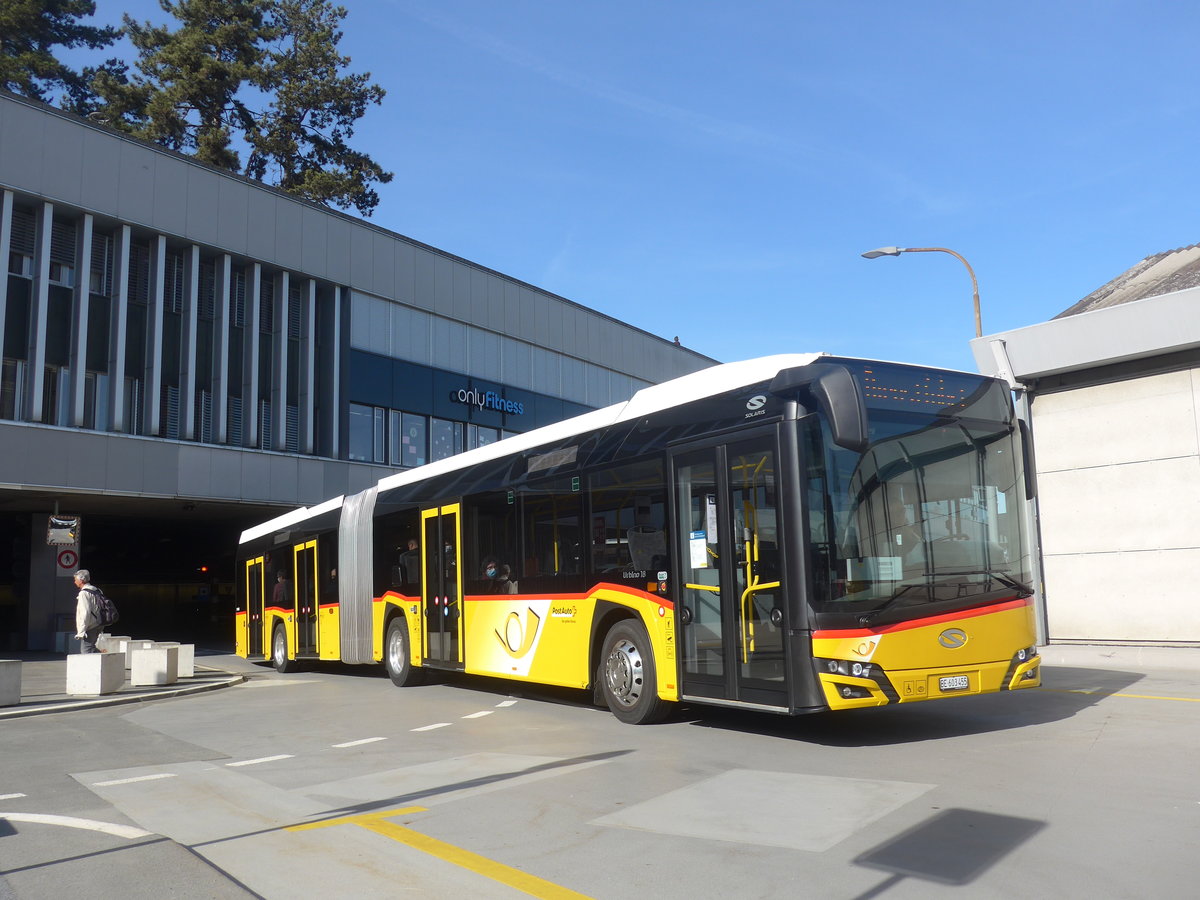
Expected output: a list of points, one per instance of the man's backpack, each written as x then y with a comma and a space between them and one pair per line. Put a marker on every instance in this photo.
106, 610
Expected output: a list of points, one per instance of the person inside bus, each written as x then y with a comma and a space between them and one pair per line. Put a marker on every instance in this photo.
410, 563
499, 578
282, 596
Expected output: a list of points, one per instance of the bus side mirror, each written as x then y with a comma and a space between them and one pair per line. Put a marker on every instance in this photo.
839, 396
1027, 464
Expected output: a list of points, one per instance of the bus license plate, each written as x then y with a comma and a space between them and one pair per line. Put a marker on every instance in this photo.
954, 683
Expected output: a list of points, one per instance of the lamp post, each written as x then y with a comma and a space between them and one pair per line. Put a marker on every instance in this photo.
896, 251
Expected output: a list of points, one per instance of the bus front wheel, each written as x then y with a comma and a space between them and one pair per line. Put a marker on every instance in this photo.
627, 675
396, 657
279, 651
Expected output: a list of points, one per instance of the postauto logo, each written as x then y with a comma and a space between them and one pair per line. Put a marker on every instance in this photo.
952, 638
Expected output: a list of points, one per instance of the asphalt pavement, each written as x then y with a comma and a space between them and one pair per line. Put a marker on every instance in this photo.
44, 683
44, 675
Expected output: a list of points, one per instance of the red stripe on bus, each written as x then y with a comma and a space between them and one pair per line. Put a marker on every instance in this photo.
1002, 606
619, 588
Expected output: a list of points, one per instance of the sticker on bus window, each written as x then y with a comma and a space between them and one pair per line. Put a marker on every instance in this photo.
875, 568
699, 550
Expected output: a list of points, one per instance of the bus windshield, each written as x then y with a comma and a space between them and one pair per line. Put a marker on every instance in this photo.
926, 520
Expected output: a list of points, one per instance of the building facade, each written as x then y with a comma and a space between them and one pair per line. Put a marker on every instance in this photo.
1111, 388
186, 351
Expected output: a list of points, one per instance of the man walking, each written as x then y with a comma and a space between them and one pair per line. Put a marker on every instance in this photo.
87, 619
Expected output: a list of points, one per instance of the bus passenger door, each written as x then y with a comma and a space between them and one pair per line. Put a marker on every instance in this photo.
305, 556
252, 622
731, 613
441, 597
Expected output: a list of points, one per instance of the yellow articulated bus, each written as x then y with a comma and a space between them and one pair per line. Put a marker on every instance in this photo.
790, 534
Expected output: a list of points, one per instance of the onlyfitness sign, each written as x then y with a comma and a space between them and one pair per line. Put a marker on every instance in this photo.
487, 400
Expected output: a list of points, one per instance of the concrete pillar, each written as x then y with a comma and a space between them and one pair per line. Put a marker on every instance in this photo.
39, 311
80, 304
118, 330
250, 356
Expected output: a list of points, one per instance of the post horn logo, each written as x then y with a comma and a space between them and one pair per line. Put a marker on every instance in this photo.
952, 638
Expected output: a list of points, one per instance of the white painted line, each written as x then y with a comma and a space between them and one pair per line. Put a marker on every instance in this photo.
431, 727
359, 743
505, 703
255, 762
480, 715
124, 831
11, 796
132, 780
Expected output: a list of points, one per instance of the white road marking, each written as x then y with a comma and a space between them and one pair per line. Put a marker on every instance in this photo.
11, 796
432, 727
124, 831
132, 780
358, 743
255, 762
480, 715
505, 703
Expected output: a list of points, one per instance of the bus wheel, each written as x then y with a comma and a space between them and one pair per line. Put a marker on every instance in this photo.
279, 653
627, 675
396, 656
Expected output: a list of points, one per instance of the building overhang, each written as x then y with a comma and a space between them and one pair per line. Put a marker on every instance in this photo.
1141, 330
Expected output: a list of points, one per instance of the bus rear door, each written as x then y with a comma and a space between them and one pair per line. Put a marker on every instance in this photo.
731, 611
305, 556
251, 636
441, 597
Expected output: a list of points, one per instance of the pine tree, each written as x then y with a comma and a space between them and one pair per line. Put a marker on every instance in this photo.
187, 92
302, 135
29, 32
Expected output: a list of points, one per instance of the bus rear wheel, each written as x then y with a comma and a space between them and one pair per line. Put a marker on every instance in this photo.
627, 676
279, 651
396, 657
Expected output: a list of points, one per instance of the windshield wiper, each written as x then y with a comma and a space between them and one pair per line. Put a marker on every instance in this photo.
1023, 590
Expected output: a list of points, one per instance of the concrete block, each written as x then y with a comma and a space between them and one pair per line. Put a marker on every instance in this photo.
156, 664
187, 657
10, 682
93, 674
111, 643
128, 646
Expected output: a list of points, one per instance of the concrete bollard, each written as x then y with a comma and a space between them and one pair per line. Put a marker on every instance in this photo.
129, 645
111, 643
93, 674
10, 682
156, 664
187, 657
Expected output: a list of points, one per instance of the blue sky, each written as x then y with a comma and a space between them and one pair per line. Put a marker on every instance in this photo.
713, 170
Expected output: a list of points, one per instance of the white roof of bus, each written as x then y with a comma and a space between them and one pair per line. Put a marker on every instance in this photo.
291, 517
704, 383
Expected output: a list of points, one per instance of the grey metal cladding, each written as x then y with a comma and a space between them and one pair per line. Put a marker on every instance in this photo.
289, 232
20, 129
62, 160
262, 210
234, 217
101, 157
362, 247
383, 264
170, 195
203, 206
314, 240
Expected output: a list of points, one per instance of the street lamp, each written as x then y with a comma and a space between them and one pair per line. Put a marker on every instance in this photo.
896, 251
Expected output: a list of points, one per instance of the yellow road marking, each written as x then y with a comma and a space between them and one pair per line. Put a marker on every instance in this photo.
489, 868
1101, 693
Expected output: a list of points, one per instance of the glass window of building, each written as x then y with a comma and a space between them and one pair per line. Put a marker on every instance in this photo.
446, 439
363, 443
415, 440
